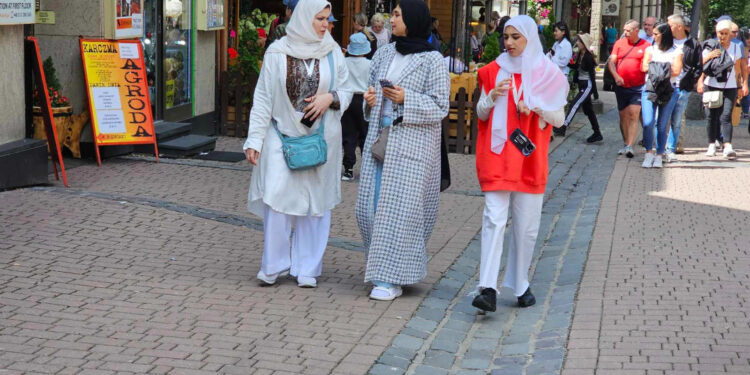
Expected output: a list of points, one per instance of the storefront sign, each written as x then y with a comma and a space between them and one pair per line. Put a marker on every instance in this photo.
118, 93
45, 17
16, 12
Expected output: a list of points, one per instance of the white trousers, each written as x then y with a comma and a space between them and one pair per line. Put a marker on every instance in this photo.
304, 256
527, 213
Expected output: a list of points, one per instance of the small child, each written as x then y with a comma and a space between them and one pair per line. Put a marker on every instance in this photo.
353, 123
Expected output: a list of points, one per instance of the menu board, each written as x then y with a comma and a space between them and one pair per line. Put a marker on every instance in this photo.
123, 19
17, 12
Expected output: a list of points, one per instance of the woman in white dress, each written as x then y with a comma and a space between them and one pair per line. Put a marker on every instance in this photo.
303, 76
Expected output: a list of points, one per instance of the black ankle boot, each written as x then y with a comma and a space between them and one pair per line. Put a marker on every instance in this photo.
486, 300
559, 131
526, 299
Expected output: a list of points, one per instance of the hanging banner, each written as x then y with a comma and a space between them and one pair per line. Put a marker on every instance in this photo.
118, 93
16, 12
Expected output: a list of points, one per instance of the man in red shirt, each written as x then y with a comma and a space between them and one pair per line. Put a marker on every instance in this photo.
625, 65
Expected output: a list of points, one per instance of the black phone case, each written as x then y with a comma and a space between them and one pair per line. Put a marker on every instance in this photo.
307, 122
522, 142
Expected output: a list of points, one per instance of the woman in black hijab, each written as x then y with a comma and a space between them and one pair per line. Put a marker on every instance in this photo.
398, 191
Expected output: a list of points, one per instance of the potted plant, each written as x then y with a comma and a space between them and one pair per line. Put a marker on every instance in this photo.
61, 108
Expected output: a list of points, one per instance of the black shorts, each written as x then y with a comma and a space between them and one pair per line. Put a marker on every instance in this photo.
628, 96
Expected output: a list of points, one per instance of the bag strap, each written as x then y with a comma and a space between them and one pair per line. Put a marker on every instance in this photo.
322, 120
626, 55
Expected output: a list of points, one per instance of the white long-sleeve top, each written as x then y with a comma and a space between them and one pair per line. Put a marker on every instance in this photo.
300, 193
563, 54
486, 104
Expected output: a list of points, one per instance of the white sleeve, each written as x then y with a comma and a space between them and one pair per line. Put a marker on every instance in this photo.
262, 110
484, 106
563, 54
554, 118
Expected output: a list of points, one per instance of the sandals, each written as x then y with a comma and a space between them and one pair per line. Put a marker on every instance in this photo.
385, 294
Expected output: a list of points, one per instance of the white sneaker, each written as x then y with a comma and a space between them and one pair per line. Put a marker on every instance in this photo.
385, 294
622, 150
718, 144
306, 282
648, 160
657, 161
729, 152
671, 157
270, 279
711, 150
629, 152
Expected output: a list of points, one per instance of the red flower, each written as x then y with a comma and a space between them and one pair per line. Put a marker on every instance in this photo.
233, 53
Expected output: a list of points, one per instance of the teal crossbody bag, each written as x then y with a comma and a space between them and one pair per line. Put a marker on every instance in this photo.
307, 151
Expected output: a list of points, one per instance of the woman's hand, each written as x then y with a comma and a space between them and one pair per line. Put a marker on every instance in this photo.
523, 108
395, 94
252, 156
370, 97
318, 105
714, 54
699, 87
501, 89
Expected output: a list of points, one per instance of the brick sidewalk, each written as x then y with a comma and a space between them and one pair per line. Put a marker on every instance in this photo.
665, 289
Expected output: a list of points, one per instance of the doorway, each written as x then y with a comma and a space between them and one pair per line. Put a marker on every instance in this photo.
167, 49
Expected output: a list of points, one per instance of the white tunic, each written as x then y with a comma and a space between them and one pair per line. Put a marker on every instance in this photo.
300, 193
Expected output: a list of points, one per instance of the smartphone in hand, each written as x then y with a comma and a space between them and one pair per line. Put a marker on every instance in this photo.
305, 121
386, 83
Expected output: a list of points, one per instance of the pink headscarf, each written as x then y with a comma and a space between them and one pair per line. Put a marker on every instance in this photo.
543, 85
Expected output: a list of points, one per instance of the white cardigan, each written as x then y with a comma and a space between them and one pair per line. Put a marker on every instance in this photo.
308, 192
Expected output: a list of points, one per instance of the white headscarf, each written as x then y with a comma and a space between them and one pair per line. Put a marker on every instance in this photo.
301, 40
543, 85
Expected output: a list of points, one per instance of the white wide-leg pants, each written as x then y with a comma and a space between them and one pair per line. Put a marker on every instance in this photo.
527, 213
304, 256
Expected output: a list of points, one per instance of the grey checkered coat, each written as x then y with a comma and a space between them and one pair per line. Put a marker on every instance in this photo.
396, 237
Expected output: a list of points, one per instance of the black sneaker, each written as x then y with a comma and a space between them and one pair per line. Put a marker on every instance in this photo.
526, 299
348, 175
596, 137
486, 300
559, 131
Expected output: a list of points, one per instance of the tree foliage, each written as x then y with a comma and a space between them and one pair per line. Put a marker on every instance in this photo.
739, 10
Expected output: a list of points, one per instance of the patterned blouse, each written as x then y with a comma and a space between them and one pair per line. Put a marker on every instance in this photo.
300, 85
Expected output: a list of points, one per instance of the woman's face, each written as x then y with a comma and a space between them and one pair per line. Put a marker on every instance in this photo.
581, 47
356, 27
657, 36
320, 22
559, 34
377, 27
397, 22
725, 36
515, 42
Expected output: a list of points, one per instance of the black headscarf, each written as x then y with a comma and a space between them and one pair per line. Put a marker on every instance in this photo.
416, 16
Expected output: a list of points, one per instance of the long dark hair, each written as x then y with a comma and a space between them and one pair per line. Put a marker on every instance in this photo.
667, 40
562, 26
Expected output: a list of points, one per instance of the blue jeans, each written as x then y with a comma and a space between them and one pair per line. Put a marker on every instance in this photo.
650, 111
676, 124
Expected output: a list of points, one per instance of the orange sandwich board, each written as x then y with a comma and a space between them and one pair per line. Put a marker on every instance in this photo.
118, 93
32, 50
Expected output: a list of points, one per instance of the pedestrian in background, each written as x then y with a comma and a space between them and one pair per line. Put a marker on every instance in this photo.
584, 75
360, 26
625, 65
303, 78
353, 123
663, 63
522, 92
382, 33
561, 51
398, 192
647, 32
726, 78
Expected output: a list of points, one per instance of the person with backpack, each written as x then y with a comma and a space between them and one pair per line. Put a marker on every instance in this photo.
692, 67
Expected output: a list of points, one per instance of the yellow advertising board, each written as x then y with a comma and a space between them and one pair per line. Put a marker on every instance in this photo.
118, 93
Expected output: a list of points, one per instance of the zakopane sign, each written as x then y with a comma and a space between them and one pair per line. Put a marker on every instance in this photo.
118, 93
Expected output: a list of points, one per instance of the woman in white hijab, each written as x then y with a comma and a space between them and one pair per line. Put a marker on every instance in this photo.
302, 78
522, 94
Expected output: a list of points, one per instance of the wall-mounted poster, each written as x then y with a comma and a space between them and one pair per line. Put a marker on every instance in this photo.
124, 19
16, 12
210, 15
